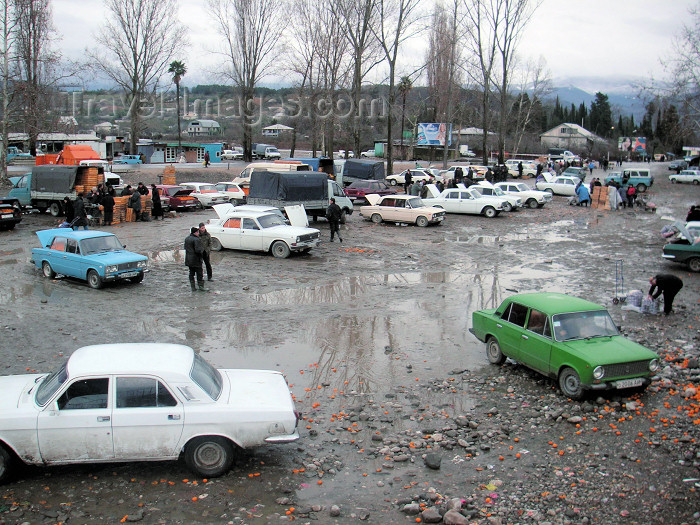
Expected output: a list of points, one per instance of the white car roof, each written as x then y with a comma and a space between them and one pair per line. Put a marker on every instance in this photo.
196, 184
131, 358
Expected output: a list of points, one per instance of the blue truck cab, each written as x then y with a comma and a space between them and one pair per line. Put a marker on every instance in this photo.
642, 179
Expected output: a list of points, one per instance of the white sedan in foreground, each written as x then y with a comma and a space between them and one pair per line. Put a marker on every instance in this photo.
141, 402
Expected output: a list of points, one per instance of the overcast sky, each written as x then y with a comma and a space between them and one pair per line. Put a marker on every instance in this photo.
584, 38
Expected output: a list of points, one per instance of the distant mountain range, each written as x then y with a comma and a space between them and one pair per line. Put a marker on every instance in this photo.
625, 94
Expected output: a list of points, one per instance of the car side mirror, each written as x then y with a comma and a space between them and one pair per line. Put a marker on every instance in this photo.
48, 246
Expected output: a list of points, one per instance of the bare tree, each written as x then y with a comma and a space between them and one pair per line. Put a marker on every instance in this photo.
7, 25
684, 69
252, 30
357, 18
481, 56
535, 79
396, 22
35, 65
509, 18
139, 40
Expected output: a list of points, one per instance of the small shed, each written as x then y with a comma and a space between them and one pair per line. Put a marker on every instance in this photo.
275, 130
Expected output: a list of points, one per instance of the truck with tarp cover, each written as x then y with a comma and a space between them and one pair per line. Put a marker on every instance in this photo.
362, 169
290, 188
45, 187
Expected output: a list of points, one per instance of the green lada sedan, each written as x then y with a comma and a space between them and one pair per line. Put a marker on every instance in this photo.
566, 338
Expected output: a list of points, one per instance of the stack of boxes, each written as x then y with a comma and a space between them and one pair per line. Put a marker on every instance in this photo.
599, 198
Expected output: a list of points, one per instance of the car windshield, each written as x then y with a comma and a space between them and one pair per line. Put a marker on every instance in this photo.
207, 377
50, 384
498, 191
269, 221
415, 203
207, 188
107, 243
583, 325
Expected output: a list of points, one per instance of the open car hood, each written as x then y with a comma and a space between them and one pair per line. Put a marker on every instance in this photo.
223, 209
297, 215
433, 191
373, 199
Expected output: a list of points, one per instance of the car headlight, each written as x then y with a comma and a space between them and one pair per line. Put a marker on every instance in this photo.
654, 365
111, 269
142, 264
598, 372
298, 239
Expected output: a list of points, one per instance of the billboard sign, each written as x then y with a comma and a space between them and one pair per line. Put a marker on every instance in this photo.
434, 134
635, 144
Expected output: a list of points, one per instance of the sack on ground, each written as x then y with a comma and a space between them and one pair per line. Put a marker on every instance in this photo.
635, 297
650, 306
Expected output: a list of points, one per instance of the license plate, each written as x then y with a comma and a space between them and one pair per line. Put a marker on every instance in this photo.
129, 274
7, 215
629, 383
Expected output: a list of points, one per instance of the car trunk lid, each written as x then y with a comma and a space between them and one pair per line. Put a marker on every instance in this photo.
258, 390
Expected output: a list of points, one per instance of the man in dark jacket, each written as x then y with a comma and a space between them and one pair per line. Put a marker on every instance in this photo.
108, 203
80, 213
667, 284
193, 258
408, 180
135, 204
205, 240
333, 214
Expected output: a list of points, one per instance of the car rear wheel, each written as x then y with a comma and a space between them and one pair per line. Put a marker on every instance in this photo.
694, 264
696, 182
280, 249
55, 209
532, 204
94, 280
641, 188
493, 351
550, 191
673, 181
209, 456
376, 218
199, 205
490, 212
6, 461
570, 383
422, 221
47, 270
216, 244
392, 182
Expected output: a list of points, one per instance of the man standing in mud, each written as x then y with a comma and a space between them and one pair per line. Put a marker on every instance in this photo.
667, 284
205, 240
193, 258
333, 214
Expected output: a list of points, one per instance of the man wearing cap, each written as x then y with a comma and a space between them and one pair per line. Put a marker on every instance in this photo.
193, 257
205, 240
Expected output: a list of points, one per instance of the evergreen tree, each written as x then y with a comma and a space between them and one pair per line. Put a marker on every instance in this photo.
601, 116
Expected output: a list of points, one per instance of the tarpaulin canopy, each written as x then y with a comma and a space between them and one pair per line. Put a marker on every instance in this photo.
364, 169
54, 179
289, 186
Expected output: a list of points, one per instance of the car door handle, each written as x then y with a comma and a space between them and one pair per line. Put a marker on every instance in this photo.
499, 325
173, 417
525, 337
103, 418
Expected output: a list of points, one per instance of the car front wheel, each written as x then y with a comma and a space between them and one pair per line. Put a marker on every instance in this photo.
508, 207
280, 249
489, 212
673, 181
6, 461
694, 264
422, 221
532, 204
641, 188
570, 383
493, 351
549, 190
47, 270
392, 182
94, 280
209, 456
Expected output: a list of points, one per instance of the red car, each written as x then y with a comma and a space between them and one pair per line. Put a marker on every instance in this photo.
361, 188
174, 197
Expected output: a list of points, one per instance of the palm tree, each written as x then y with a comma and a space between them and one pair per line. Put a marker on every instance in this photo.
405, 85
178, 70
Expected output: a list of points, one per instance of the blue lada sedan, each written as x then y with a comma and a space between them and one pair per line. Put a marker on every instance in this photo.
93, 256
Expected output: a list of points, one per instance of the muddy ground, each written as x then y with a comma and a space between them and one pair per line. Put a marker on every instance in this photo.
372, 335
